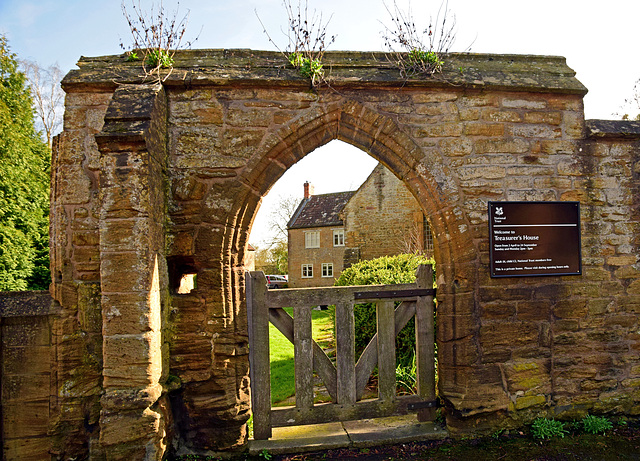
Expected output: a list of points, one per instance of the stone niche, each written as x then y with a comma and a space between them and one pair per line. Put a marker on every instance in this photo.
155, 182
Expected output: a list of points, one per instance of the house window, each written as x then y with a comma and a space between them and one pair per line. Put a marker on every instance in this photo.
312, 239
338, 237
327, 269
307, 271
428, 238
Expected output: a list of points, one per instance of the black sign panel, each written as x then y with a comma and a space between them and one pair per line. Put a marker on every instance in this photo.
534, 238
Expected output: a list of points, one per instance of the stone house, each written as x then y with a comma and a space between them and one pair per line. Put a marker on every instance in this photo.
384, 218
316, 239
329, 232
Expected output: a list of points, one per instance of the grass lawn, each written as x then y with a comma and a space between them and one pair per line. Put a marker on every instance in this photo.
281, 352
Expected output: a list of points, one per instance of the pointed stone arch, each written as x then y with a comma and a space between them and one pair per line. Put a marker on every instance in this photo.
380, 136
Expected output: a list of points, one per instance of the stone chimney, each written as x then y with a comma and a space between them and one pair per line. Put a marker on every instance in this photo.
308, 189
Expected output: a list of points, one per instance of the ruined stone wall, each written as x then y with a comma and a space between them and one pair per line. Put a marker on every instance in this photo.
75, 268
174, 182
383, 218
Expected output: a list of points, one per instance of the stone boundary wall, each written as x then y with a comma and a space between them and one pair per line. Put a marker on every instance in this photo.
151, 182
27, 376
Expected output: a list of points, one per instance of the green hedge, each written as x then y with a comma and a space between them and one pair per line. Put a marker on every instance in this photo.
385, 270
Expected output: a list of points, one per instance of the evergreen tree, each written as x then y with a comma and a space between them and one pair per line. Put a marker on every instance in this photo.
24, 184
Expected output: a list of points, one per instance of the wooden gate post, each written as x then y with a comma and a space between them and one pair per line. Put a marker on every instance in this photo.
259, 360
386, 351
425, 351
345, 353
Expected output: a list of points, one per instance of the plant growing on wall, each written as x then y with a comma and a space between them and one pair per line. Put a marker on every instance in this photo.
307, 41
416, 51
156, 35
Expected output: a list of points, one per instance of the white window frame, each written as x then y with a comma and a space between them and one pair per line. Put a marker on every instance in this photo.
307, 271
327, 269
339, 235
312, 239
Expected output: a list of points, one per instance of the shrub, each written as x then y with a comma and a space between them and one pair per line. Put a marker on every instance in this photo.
543, 428
596, 424
385, 270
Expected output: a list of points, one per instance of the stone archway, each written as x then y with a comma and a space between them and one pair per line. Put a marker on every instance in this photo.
367, 129
152, 182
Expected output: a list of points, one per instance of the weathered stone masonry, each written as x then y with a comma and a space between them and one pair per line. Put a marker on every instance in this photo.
153, 181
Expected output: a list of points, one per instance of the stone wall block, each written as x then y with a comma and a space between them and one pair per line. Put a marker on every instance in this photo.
570, 309
462, 352
573, 123
434, 97
122, 428
507, 292
86, 259
470, 114
535, 131
462, 304
456, 147
74, 185
484, 129
181, 243
128, 314
131, 360
543, 117
89, 310
530, 377
258, 117
129, 199
25, 420
188, 188
24, 332
492, 114
126, 272
208, 242
124, 234
514, 103
507, 334
533, 310
498, 310
439, 131
513, 146
459, 327
219, 201
25, 388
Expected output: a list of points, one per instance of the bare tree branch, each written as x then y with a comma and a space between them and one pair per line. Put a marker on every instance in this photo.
47, 95
280, 216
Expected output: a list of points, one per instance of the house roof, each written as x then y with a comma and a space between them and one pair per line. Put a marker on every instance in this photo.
320, 210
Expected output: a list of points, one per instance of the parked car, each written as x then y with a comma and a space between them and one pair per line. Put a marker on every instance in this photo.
277, 281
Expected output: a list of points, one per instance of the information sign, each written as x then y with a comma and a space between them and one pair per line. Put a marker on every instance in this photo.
534, 238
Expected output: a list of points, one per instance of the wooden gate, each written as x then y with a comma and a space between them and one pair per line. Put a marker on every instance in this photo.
346, 381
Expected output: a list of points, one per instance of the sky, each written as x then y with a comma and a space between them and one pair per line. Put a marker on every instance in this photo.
598, 39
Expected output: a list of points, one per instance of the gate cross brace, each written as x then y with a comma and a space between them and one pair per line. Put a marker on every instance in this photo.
425, 404
394, 293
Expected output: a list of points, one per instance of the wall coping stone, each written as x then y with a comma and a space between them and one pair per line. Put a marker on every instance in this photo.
614, 129
25, 303
352, 69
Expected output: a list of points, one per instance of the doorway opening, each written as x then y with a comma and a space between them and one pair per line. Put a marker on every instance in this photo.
326, 212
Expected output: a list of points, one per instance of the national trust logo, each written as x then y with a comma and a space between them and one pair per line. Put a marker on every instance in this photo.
498, 214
